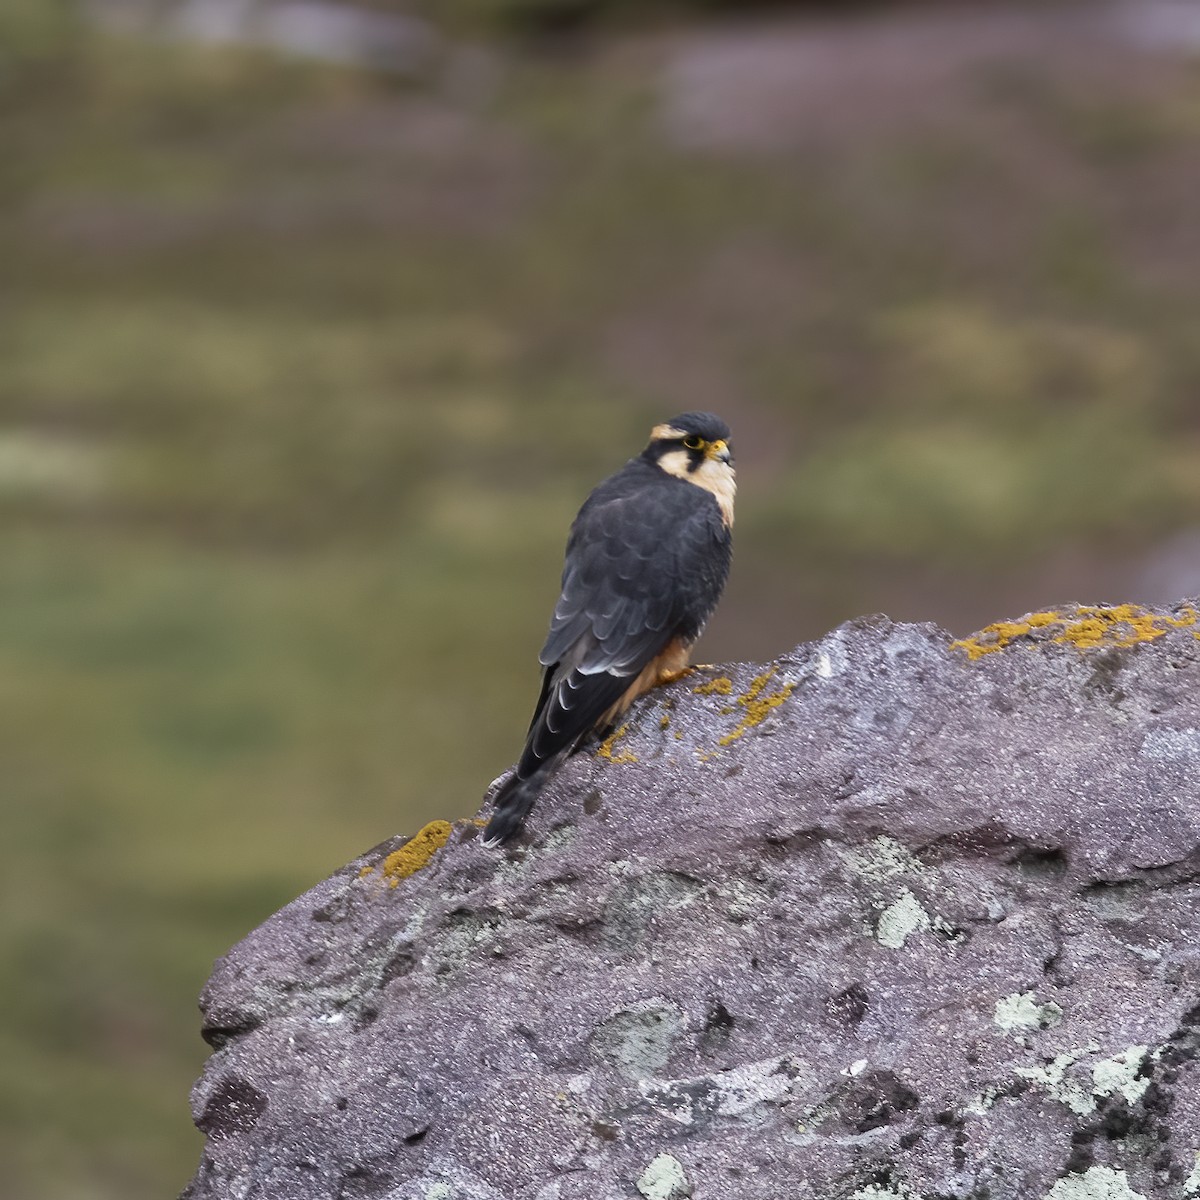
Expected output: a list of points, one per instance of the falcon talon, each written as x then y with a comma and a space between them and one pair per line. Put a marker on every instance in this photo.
674, 676
646, 561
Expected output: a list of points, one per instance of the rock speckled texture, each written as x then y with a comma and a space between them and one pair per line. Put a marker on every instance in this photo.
889, 919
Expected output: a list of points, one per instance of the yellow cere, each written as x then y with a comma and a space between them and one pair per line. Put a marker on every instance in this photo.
1088, 627
606, 748
415, 854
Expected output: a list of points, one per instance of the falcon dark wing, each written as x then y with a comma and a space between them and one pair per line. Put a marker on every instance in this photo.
646, 561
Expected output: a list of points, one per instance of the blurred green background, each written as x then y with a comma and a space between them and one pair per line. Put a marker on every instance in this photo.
305, 367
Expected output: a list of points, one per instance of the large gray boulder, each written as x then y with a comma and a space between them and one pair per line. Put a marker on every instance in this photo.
891, 918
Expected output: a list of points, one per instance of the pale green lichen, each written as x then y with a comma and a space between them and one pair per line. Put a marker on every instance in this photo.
900, 920
638, 1040
1021, 1011
1052, 1079
664, 1179
881, 1191
731, 1093
1191, 1185
1120, 1073
1096, 1183
882, 859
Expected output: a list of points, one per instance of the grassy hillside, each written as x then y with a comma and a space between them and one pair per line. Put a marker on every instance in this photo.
303, 375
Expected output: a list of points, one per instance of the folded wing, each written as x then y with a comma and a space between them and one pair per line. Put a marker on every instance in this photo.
644, 567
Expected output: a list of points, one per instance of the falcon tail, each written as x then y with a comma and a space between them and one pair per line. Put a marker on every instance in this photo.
514, 800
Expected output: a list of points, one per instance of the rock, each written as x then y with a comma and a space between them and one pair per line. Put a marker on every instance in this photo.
891, 918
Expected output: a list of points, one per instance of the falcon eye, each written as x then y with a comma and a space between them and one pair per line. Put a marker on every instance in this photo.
694, 443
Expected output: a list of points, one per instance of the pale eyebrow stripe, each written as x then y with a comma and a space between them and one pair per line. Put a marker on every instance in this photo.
666, 432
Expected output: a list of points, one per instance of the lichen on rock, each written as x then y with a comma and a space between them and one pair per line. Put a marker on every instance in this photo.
1085, 626
1021, 1011
900, 920
664, 1179
415, 854
1096, 1183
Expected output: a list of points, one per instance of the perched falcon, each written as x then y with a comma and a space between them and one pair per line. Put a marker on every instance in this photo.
646, 561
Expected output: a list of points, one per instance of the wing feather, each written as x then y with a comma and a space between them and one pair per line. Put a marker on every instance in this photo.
645, 563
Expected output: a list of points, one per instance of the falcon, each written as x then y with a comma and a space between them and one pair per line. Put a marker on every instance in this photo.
646, 560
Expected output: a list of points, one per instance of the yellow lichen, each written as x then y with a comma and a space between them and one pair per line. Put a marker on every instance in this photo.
416, 853
757, 705
606, 748
1087, 627
721, 686
1040, 619
664, 721
998, 635
1125, 625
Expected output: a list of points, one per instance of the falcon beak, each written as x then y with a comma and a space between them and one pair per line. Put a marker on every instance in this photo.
720, 451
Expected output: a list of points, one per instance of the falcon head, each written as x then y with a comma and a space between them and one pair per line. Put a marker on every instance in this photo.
682, 445
695, 446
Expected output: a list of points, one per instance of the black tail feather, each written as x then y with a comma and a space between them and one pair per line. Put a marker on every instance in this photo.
514, 800
509, 810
